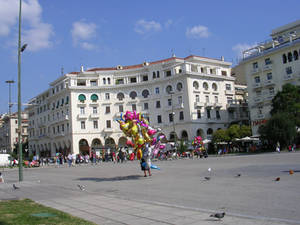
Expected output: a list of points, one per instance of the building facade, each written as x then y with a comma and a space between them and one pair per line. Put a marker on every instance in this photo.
9, 131
268, 66
184, 97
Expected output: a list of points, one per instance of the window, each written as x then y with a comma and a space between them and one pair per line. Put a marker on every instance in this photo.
271, 91
93, 83
95, 123
206, 98
104, 80
108, 124
82, 110
268, 61
218, 114
179, 86
133, 107
120, 81
107, 97
145, 93
157, 104
121, 108
258, 93
81, 98
95, 110
208, 113
157, 90
284, 59
202, 70
196, 85
171, 119
169, 101
214, 87
181, 115
296, 56
82, 125
290, 57
169, 89
168, 73
229, 100
157, 74
62, 128
257, 79
132, 79
194, 68
228, 87
211, 71
159, 119
154, 75
269, 76
197, 98
255, 65
145, 77
289, 70
216, 99
108, 80
224, 73
180, 100
133, 95
205, 86
67, 100
79, 83
120, 96
198, 114
94, 98
259, 111
146, 106
107, 109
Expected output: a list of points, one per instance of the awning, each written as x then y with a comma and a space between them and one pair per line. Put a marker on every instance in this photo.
94, 97
81, 97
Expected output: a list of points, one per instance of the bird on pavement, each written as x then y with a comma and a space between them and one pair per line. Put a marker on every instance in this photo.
81, 187
277, 179
15, 187
218, 215
238, 175
207, 178
291, 172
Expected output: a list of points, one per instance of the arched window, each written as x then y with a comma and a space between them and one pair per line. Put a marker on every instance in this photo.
145, 93
169, 89
209, 131
196, 85
214, 87
67, 100
133, 95
290, 57
284, 59
81, 97
296, 56
108, 80
94, 97
120, 96
205, 86
179, 86
104, 81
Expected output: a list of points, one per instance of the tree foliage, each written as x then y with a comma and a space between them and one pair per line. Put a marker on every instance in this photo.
233, 132
220, 136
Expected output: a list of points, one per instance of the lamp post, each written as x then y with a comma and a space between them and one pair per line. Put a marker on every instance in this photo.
20, 50
9, 82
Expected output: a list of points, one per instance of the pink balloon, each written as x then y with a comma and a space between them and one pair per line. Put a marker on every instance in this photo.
151, 132
154, 141
162, 146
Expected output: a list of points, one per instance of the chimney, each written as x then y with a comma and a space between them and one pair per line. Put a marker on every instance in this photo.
81, 69
222, 58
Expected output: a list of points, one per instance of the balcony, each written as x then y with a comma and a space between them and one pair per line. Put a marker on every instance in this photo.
211, 120
269, 97
108, 130
179, 106
82, 116
267, 67
199, 104
94, 116
256, 85
255, 70
258, 99
288, 77
209, 104
218, 105
269, 82
229, 92
232, 105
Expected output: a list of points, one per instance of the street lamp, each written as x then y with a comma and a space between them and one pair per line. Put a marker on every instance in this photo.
9, 82
20, 49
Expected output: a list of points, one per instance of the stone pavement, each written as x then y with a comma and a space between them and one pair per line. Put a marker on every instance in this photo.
113, 197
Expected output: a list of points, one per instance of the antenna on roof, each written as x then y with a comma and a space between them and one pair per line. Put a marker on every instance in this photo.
62, 70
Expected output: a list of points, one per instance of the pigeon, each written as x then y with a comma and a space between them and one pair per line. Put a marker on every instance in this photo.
81, 187
238, 175
218, 215
291, 172
15, 187
207, 178
277, 179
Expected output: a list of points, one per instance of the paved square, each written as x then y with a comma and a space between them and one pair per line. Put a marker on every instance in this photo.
176, 194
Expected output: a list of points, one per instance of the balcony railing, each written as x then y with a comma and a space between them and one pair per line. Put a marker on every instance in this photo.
256, 85
288, 77
209, 104
82, 116
199, 104
269, 82
217, 105
255, 70
258, 99
268, 67
229, 92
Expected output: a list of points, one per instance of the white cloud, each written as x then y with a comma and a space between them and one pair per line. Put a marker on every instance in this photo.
239, 48
83, 32
38, 33
197, 32
144, 27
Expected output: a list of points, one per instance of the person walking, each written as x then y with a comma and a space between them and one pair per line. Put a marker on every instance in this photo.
278, 147
70, 159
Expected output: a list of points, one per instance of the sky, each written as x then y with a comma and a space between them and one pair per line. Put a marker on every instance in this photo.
62, 35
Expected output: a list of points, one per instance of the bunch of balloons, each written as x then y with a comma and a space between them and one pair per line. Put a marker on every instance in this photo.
136, 126
198, 143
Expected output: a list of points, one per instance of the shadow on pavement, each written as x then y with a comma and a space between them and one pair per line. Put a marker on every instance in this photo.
119, 178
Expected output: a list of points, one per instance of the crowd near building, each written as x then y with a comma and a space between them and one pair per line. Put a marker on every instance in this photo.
268, 66
184, 97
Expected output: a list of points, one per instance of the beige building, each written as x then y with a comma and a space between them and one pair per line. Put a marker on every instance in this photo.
9, 131
268, 66
185, 97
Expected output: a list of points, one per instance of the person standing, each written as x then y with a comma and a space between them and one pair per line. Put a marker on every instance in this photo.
146, 161
278, 147
70, 159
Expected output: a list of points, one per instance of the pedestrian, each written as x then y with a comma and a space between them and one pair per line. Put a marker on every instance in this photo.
278, 147
70, 159
1, 178
146, 161
294, 148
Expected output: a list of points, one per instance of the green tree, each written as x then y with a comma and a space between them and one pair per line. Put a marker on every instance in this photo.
245, 131
234, 131
279, 128
220, 136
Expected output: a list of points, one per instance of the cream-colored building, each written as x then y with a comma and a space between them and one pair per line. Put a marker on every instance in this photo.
9, 131
268, 66
182, 96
